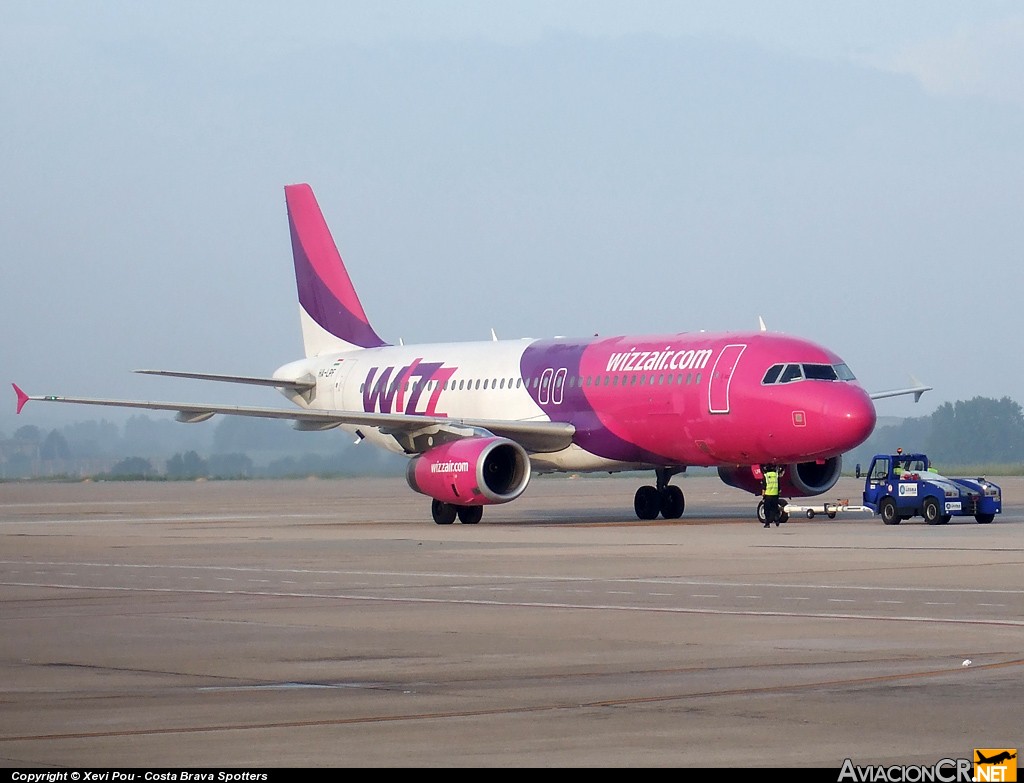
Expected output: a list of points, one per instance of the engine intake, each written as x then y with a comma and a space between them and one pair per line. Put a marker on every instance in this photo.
799, 480
471, 472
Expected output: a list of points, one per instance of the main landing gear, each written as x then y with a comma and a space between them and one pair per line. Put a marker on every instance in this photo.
664, 499
445, 513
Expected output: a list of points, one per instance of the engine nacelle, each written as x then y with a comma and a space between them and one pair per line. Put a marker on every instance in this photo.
471, 472
800, 480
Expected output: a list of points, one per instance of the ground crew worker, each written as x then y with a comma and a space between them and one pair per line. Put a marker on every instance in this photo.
771, 495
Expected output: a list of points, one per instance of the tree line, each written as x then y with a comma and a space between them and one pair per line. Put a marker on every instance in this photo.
978, 433
234, 448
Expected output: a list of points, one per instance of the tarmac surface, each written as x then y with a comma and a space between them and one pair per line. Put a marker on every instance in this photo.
267, 624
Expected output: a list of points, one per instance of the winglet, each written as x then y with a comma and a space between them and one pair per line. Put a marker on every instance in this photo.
917, 390
22, 397
921, 388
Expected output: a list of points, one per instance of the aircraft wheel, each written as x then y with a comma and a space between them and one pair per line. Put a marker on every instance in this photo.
443, 513
887, 508
984, 519
930, 511
470, 515
760, 512
647, 502
672, 502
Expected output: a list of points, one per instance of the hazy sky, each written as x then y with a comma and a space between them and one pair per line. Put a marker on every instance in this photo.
850, 171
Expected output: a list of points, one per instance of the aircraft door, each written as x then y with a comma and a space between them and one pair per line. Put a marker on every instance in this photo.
558, 385
721, 378
345, 397
544, 395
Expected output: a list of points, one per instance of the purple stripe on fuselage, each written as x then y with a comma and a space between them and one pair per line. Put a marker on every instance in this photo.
323, 306
565, 401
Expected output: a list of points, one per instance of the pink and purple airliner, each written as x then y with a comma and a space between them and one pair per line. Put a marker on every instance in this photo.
478, 419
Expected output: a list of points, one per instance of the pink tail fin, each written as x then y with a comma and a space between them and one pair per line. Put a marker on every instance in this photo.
333, 318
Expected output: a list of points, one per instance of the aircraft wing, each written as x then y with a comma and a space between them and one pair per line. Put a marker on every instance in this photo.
917, 390
414, 433
281, 383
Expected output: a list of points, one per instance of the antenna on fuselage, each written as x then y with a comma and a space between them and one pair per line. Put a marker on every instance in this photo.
494, 337
760, 321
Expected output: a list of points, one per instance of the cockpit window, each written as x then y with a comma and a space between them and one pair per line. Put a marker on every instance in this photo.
788, 373
844, 373
773, 374
792, 372
820, 372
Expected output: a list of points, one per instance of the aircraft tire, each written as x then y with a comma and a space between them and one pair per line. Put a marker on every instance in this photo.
672, 502
647, 502
443, 513
470, 515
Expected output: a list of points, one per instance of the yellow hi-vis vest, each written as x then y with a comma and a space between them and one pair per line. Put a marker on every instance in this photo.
771, 482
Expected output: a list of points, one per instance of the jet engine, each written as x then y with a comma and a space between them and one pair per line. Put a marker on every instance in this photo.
802, 479
471, 472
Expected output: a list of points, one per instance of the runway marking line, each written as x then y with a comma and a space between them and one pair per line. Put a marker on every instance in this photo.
533, 604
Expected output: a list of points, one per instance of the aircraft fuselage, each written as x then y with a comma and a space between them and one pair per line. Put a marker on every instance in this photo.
685, 399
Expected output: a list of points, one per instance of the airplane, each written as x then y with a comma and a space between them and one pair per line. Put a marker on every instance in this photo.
478, 419
996, 759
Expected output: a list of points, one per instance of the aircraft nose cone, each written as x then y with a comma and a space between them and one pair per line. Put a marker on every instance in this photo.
854, 421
